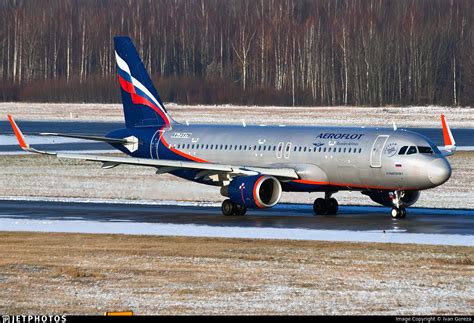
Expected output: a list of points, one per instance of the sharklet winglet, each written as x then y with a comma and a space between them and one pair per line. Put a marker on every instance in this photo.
21, 138
18, 134
447, 135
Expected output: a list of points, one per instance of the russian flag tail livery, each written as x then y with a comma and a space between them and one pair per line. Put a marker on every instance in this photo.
142, 106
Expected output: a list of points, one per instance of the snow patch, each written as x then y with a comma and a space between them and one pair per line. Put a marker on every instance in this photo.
192, 230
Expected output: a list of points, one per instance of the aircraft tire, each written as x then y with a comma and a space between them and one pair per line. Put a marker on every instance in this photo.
332, 206
403, 213
395, 213
240, 210
319, 206
228, 207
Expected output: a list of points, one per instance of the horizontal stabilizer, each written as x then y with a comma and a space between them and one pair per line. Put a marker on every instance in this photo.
87, 137
131, 143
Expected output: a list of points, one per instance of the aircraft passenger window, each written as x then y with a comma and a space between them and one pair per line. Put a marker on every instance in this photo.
192, 147
274, 148
349, 150
280, 148
299, 149
324, 150
319, 149
340, 149
403, 150
254, 147
425, 150
264, 147
411, 150
207, 146
360, 150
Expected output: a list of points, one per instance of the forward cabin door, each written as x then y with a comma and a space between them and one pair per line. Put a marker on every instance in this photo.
377, 149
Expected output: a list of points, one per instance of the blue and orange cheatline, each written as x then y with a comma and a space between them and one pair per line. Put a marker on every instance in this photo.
138, 92
167, 146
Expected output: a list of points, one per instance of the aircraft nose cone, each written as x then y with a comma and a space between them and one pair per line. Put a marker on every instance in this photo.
439, 171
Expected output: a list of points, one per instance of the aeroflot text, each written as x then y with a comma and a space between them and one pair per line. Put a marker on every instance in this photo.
353, 136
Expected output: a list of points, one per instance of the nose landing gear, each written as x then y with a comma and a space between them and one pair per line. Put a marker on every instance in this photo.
398, 213
327, 205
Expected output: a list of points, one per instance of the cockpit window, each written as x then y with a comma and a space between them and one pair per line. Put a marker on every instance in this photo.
403, 150
411, 150
425, 150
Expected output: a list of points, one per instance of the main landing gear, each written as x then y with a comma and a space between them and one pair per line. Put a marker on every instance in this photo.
231, 208
327, 205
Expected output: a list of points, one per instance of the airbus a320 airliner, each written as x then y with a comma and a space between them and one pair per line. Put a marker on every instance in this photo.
253, 165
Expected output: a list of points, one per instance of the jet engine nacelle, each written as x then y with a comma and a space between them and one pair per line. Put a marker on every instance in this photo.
385, 198
259, 191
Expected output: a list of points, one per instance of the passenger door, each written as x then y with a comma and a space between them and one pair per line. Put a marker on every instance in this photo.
376, 152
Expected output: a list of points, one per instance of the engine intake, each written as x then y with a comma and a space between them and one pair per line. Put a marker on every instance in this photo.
259, 191
385, 198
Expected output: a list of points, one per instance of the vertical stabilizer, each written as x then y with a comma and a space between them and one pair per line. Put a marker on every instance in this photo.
142, 106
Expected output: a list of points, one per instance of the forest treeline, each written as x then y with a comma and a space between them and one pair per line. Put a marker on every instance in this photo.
282, 52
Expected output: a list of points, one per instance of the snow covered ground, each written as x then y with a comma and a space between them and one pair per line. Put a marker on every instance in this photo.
417, 116
90, 273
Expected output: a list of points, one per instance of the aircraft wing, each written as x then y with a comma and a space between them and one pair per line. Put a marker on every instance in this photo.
163, 165
449, 147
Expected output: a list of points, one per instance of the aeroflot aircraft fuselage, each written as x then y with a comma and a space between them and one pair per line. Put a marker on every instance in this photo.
254, 164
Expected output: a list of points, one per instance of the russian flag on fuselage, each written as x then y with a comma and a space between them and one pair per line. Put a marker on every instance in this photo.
141, 103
